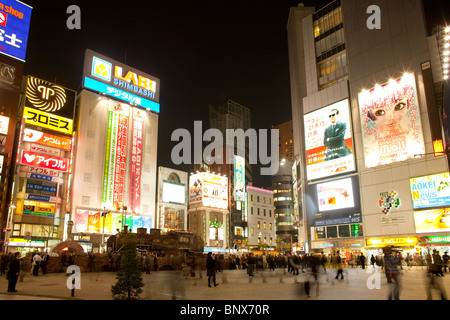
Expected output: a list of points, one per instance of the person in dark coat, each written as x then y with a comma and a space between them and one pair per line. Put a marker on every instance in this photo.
334, 138
211, 269
13, 272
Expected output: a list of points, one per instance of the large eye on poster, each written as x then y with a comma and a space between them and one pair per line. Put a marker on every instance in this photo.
328, 141
390, 121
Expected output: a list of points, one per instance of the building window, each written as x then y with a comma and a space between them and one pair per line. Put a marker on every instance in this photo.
258, 211
259, 225
264, 212
251, 210
265, 225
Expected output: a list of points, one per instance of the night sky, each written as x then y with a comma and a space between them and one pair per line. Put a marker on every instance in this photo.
202, 50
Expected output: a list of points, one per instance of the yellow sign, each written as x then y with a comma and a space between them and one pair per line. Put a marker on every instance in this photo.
47, 120
385, 242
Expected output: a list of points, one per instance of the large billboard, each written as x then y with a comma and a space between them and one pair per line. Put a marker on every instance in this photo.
430, 191
335, 195
433, 220
15, 19
119, 81
208, 189
390, 121
328, 141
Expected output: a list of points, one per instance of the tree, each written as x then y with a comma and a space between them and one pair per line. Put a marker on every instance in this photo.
129, 279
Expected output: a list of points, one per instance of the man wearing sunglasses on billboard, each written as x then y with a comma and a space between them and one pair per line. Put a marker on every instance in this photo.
334, 138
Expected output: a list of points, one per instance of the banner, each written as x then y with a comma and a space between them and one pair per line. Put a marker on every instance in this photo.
136, 160
120, 162
93, 221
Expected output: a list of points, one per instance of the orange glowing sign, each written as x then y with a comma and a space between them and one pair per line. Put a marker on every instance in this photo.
47, 139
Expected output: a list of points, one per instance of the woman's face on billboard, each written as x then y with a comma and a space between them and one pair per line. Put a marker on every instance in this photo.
388, 118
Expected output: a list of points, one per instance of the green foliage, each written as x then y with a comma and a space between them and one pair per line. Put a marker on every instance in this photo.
129, 279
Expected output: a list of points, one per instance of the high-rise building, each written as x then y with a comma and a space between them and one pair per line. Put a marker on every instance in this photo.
230, 115
367, 127
286, 140
115, 171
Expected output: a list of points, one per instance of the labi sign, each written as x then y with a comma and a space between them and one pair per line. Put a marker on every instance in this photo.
119, 81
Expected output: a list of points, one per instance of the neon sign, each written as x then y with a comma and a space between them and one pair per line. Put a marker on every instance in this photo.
120, 81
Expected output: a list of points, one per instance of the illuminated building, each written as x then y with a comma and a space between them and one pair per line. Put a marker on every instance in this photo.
261, 218
43, 167
358, 170
172, 200
286, 142
14, 28
208, 209
115, 172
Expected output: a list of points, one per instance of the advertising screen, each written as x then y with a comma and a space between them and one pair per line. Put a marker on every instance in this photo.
328, 141
47, 120
434, 220
430, 191
209, 189
15, 19
174, 193
117, 80
390, 121
335, 195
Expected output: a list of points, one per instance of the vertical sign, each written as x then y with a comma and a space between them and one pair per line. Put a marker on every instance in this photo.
239, 178
136, 160
120, 161
115, 157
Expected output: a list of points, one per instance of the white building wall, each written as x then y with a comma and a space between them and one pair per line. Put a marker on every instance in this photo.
90, 156
265, 202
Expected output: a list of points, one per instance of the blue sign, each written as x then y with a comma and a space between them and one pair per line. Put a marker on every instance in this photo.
37, 197
120, 94
41, 177
41, 187
15, 19
338, 221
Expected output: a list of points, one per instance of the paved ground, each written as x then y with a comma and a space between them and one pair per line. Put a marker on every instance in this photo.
234, 285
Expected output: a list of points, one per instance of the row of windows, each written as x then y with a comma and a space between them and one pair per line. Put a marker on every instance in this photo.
332, 65
259, 212
341, 231
327, 22
330, 42
35, 230
269, 200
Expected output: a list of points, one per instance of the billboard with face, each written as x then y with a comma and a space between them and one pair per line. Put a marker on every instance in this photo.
328, 141
390, 122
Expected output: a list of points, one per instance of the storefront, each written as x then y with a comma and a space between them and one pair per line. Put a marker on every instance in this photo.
375, 246
440, 243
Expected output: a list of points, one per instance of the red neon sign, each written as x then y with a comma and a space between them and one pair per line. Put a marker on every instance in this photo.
44, 161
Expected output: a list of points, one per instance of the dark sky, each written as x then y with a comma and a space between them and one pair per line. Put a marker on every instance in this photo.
201, 50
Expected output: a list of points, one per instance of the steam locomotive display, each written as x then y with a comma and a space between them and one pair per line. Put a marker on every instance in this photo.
172, 242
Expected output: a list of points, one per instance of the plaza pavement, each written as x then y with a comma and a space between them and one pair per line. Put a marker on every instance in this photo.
234, 285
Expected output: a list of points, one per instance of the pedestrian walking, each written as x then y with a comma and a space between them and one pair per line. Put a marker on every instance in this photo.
44, 262
434, 282
373, 261
362, 260
211, 269
13, 272
251, 261
437, 263
339, 266
63, 261
36, 264
147, 263
391, 261
91, 261
445, 258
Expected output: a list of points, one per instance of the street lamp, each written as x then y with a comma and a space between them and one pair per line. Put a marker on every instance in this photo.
104, 213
